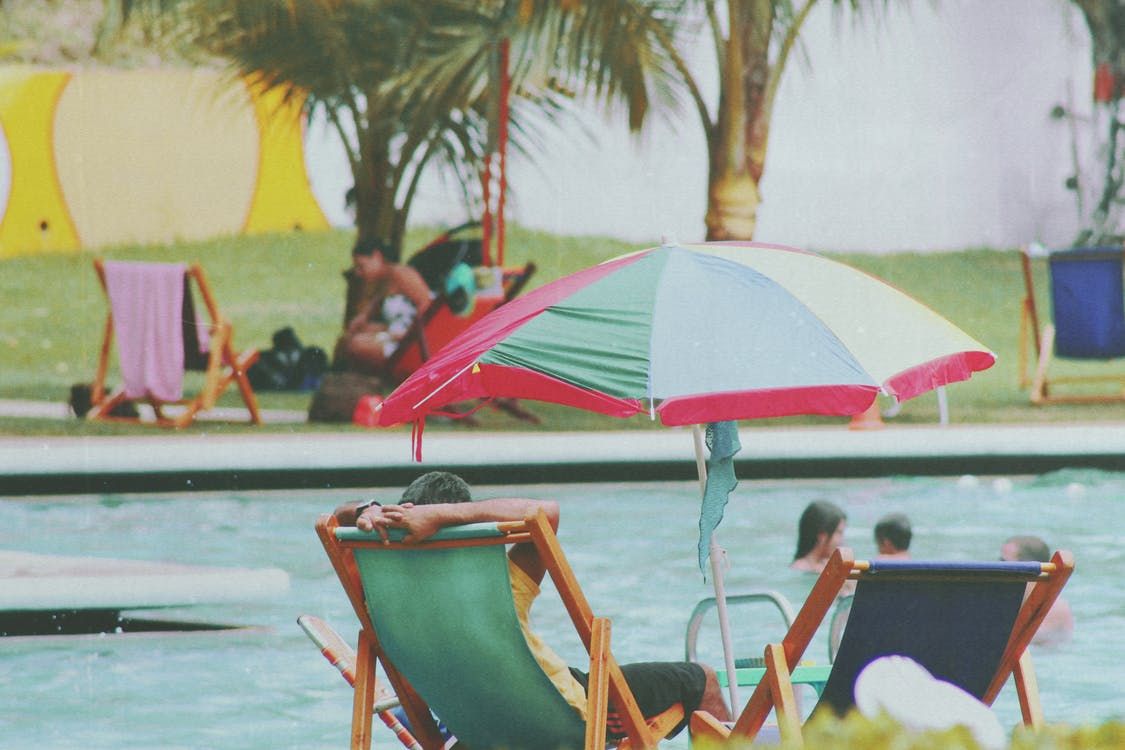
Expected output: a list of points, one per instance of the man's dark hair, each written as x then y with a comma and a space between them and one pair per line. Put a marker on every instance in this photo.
368, 246
437, 487
895, 528
1031, 548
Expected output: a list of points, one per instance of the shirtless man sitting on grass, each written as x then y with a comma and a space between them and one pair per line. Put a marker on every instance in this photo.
440, 499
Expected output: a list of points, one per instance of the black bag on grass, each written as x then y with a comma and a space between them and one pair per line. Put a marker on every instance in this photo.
288, 366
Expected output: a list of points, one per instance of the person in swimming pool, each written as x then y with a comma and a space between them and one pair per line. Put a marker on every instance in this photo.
892, 537
1058, 625
400, 295
438, 499
820, 531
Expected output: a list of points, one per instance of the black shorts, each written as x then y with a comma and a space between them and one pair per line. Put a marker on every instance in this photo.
659, 685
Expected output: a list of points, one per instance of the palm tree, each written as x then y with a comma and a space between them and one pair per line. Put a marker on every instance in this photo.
406, 83
423, 97
753, 41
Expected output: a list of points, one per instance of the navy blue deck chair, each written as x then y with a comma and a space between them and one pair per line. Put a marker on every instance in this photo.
1087, 322
968, 623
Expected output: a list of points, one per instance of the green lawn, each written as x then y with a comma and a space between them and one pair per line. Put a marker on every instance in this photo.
53, 312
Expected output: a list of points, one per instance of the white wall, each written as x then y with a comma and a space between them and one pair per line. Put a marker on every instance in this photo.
923, 127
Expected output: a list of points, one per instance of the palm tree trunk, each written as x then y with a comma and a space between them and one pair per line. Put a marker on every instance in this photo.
374, 205
738, 151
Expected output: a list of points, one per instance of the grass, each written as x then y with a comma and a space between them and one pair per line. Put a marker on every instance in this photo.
51, 322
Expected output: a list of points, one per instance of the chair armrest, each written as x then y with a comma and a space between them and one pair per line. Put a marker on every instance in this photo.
704, 726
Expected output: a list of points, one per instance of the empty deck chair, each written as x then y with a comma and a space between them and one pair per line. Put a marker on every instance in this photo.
439, 618
1087, 322
966, 623
159, 336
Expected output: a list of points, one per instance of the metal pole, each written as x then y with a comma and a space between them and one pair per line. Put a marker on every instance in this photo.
717, 555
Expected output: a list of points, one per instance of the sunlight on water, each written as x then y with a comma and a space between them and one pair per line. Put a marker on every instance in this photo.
633, 549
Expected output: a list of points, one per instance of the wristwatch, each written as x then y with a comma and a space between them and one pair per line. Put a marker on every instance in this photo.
359, 509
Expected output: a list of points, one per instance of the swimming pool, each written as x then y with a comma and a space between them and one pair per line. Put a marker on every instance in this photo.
633, 549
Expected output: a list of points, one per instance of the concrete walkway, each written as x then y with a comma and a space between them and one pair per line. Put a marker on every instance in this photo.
165, 461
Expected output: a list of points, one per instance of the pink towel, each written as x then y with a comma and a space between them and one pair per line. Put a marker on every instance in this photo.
147, 303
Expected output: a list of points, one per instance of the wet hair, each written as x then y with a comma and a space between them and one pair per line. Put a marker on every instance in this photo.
1030, 549
895, 528
437, 487
819, 516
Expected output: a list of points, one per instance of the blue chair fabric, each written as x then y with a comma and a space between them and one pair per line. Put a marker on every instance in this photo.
953, 619
1088, 303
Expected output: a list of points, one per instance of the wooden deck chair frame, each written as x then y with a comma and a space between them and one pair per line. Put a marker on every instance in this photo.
224, 366
340, 655
775, 691
416, 334
1037, 346
606, 680
514, 283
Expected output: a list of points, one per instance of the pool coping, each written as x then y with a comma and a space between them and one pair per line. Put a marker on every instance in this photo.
167, 462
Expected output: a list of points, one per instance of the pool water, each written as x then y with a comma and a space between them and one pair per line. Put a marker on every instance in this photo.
632, 547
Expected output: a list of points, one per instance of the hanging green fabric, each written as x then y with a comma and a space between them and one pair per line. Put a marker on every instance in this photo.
722, 445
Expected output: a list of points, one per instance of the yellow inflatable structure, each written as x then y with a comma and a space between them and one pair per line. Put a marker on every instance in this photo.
110, 157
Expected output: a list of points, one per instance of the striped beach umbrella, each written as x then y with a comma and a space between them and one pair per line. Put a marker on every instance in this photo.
700, 333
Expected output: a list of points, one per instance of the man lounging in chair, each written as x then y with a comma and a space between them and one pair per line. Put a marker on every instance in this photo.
440, 499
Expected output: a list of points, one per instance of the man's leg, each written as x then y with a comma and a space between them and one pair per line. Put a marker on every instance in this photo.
712, 701
658, 686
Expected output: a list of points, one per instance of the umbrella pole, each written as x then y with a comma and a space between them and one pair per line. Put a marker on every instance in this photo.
717, 554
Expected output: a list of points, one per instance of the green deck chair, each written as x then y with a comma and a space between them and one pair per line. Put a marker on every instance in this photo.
440, 619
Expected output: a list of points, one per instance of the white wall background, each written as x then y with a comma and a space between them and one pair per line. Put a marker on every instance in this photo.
924, 127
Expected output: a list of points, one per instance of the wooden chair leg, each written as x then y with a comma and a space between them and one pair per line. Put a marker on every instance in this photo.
785, 704
597, 691
661, 725
658, 726
1027, 690
241, 366
1026, 335
1039, 393
212, 384
187, 416
102, 408
706, 728
756, 711
364, 700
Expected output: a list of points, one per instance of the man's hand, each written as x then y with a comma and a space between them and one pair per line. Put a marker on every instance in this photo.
420, 521
380, 518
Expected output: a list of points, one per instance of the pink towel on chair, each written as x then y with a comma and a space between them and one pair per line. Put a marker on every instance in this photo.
147, 303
